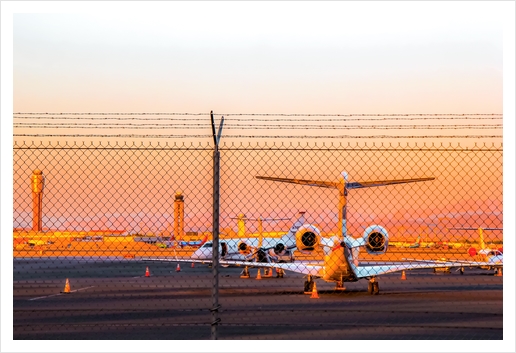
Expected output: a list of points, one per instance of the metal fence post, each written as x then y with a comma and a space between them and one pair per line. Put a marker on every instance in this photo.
216, 208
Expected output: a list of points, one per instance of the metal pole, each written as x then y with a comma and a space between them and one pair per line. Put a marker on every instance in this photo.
215, 259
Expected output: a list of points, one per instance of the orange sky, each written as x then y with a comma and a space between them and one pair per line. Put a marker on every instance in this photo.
134, 188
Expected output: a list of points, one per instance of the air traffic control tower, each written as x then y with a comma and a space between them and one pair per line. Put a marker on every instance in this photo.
179, 216
37, 181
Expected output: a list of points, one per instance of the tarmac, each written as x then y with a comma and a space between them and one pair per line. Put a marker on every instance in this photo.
111, 298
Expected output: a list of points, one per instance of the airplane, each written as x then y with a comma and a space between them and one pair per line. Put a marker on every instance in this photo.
251, 249
490, 258
417, 244
341, 263
258, 249
33, 242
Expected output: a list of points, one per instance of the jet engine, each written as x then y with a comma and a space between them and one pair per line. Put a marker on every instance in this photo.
376, 240
279, 249
244, 249
308, 238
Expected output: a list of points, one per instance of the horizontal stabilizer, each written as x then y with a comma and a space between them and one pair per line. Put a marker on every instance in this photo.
322, 184
471, 228
352, 185
370, 184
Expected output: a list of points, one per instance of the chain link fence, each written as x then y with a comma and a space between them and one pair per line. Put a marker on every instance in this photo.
114, 241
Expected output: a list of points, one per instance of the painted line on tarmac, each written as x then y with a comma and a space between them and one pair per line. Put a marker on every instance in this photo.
54, 295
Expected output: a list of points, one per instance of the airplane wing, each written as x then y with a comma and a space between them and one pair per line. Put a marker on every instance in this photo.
463, 262
316, 268
304, 267
362, 271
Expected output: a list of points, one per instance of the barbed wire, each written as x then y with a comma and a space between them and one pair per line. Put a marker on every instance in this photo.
263, 127
261, 114
285, 117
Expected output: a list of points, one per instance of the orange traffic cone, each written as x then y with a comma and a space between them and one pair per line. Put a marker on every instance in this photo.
67, 287
499, 273
193, 264
403, 276
314, 295
147, 272
178, 268
259, 274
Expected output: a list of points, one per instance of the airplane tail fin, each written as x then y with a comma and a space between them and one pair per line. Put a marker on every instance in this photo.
480, 230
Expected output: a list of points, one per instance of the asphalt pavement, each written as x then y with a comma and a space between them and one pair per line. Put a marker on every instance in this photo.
112, 299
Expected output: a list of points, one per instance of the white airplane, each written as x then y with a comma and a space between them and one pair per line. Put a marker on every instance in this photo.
486, 258
254, 250
260, 249
341, 263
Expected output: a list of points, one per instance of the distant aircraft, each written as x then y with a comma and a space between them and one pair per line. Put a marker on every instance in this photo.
485, 258
417, 244
193, 244
341, 262
33, 242
488, 258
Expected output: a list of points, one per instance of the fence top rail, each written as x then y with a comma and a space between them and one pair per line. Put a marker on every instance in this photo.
255, 145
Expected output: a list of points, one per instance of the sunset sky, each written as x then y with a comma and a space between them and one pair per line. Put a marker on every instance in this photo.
253, 57
259, 57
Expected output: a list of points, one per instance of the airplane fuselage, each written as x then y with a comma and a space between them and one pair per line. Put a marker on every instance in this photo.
229, 250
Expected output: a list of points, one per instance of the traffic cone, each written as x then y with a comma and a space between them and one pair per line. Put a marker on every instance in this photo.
193, 264
147, 272
314, 295
178, 268
67, 287
403, 276
499, 273
267, 272
259, 274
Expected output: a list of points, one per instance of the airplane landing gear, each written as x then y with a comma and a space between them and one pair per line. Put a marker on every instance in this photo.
309, 285
279, 273
373, 287
245, 273
340, 286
